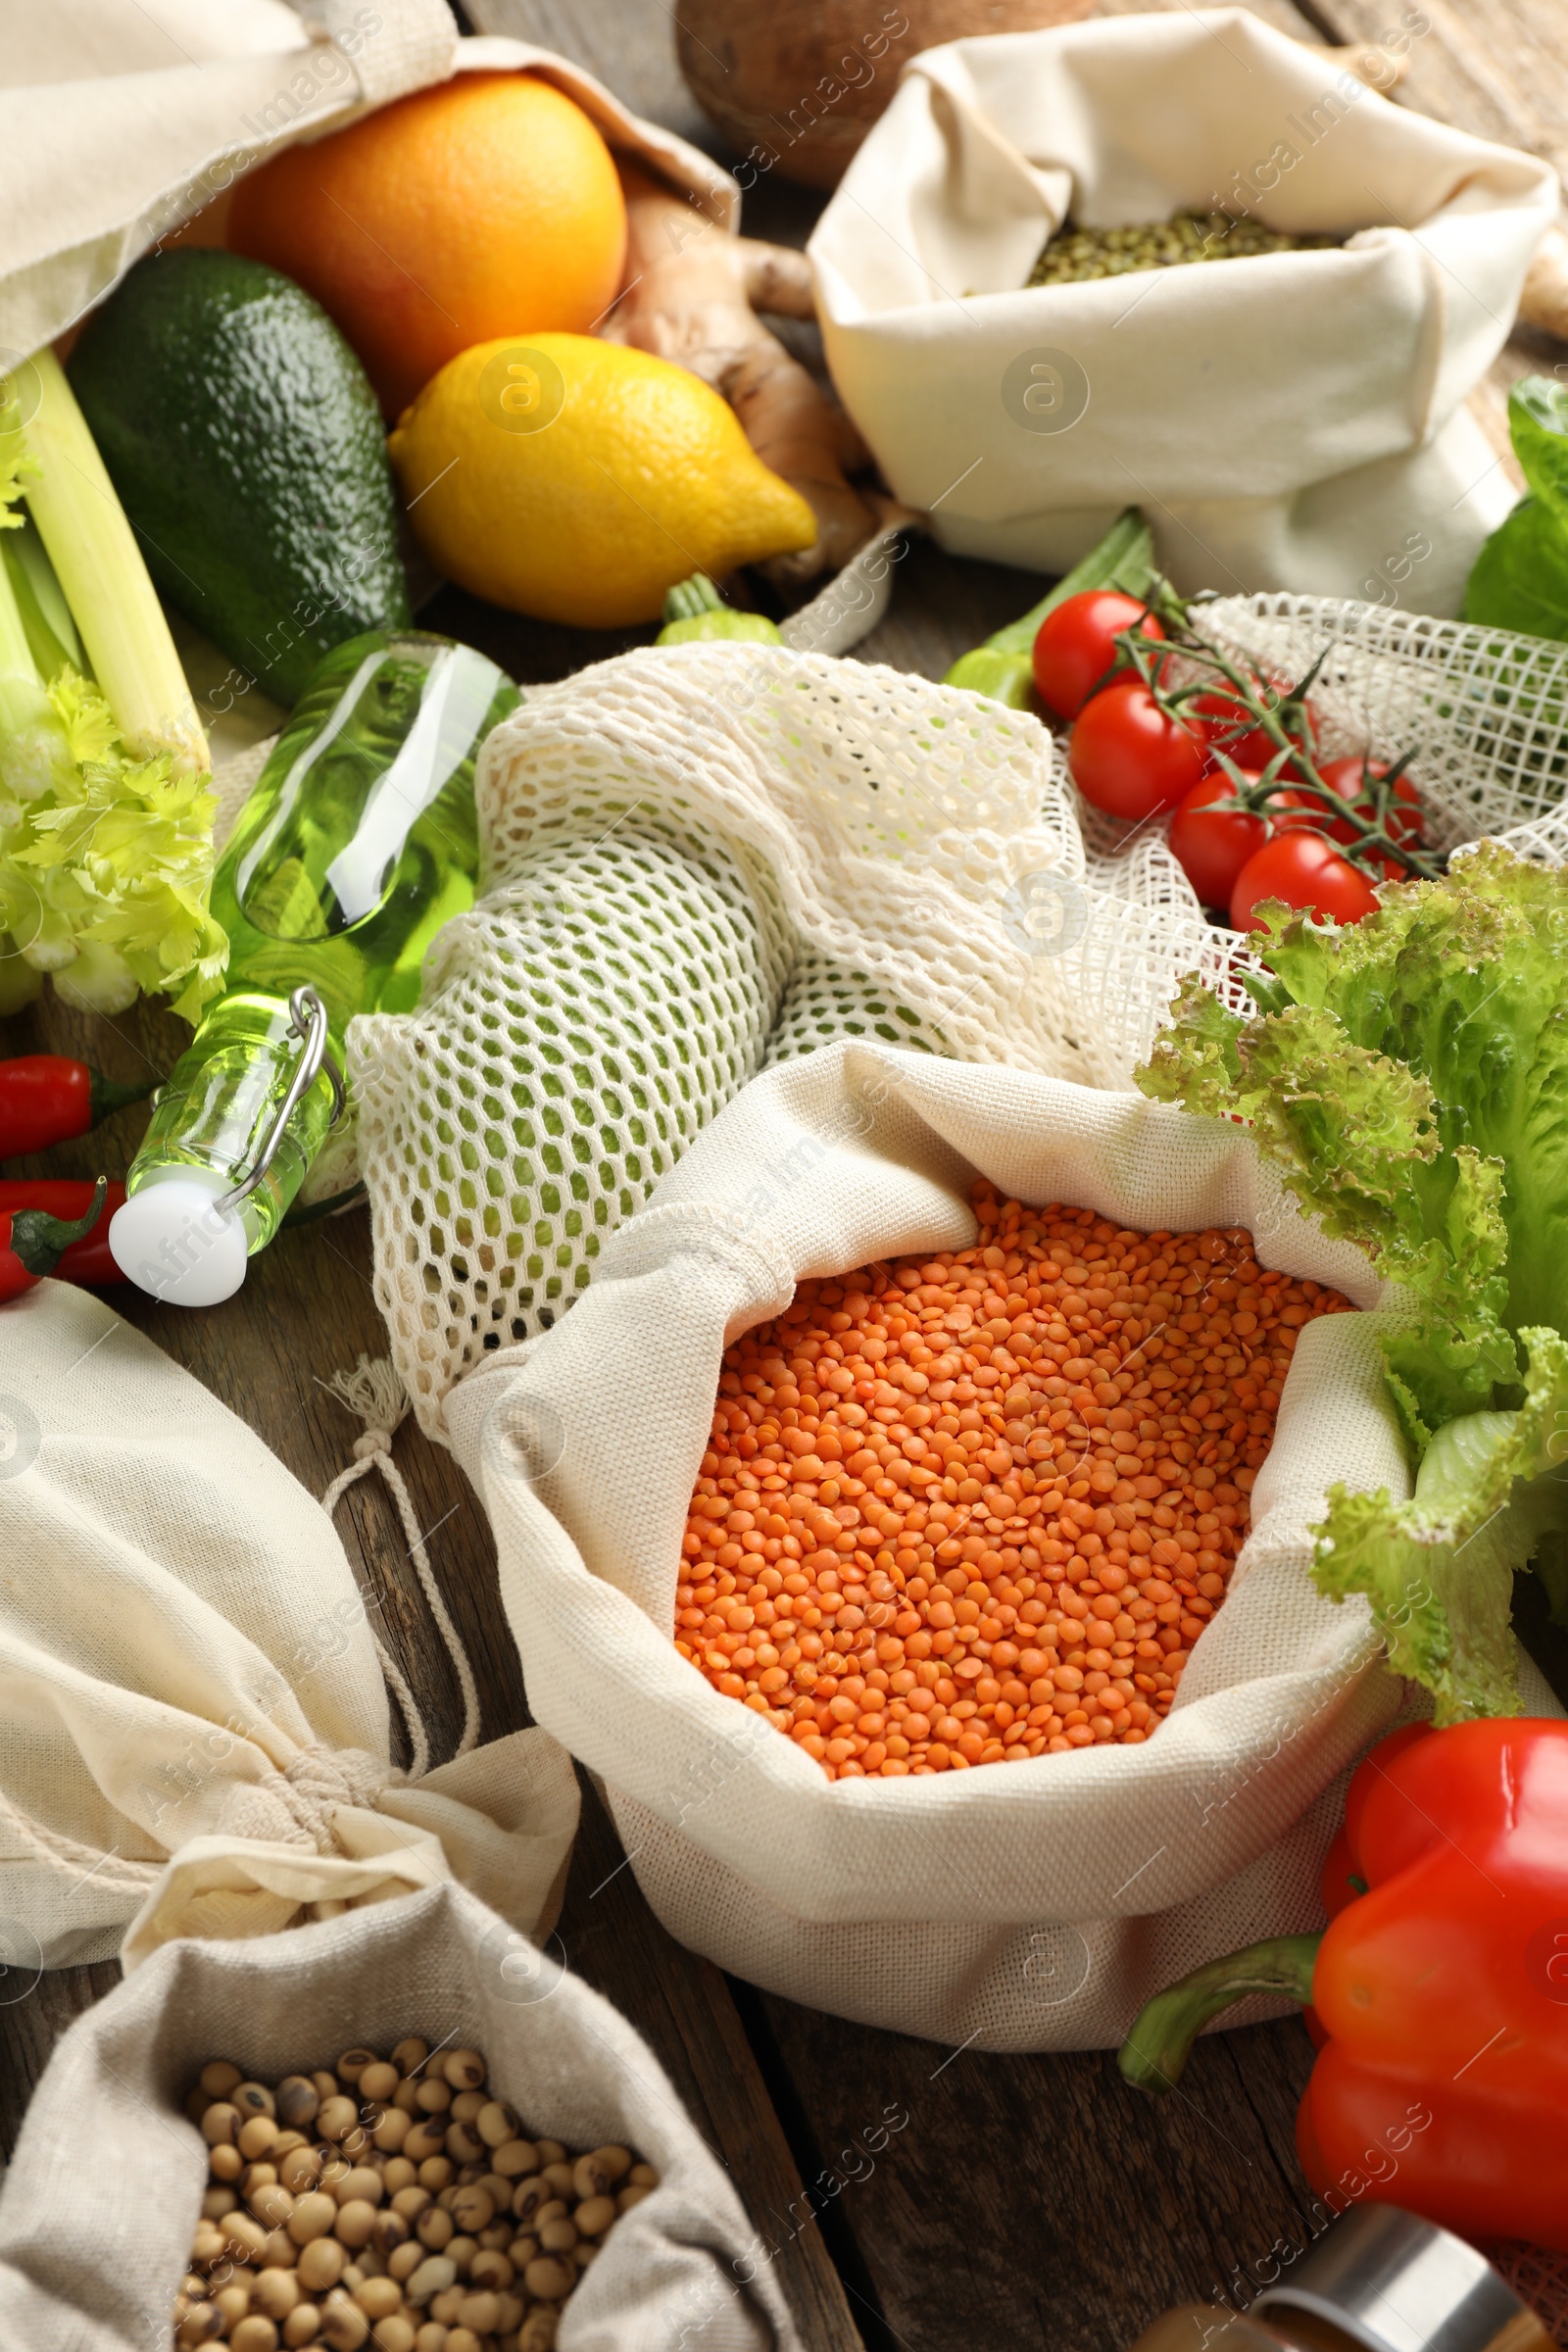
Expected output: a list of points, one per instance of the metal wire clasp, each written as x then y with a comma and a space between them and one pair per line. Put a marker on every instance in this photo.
308, 1019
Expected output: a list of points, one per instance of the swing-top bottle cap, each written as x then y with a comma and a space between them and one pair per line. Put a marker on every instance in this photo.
1392, 2283
176, 1241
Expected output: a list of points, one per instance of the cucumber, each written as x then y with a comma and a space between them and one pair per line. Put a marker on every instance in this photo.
247, 448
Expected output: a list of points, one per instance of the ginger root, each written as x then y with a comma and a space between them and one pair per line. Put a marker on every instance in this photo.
688, 298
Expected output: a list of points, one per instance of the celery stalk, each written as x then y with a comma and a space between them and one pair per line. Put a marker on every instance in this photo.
23, 701
100, 568
51, 631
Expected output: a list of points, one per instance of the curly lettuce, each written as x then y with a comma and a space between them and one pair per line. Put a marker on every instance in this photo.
1409, 1077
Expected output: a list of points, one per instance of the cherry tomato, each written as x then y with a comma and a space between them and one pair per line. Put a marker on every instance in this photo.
1211, 844
1349, 778
1258, 748
1307, 872
1217, 716
1127, 757
1076, 645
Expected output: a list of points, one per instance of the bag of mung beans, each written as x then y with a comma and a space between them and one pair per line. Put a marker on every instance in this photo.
1027, 1905
195, 1736
100, 2210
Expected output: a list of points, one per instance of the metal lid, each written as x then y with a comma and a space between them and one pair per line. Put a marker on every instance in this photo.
1395, 2283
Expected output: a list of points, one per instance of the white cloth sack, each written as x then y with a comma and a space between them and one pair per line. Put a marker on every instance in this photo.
118, 123
102, 2196
1290, 421
1030, 1907
194, 1724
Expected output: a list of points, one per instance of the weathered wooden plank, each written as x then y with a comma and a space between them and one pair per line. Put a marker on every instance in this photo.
34, 2011
1038, 2200
1498, 68
684, 2007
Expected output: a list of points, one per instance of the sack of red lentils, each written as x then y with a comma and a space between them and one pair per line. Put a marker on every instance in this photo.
949, 1649
573, 2206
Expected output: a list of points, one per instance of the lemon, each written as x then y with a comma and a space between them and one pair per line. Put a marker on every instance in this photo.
577, 480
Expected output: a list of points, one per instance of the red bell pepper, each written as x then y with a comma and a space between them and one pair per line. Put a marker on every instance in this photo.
48, 1097
90, 1259
1441, 1989
32, 1243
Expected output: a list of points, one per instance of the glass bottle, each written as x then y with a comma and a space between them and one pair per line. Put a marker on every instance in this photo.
358, 843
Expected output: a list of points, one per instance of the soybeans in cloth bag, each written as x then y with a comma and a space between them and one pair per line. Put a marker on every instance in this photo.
1288, 421
118, 123
103, 2193
1027, 1906
193, 1723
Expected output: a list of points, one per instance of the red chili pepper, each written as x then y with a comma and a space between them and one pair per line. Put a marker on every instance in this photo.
1441, 1988
90, 1260
47, 1098
32, 1243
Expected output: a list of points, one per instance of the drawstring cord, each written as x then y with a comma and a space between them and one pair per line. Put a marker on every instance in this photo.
374, 1392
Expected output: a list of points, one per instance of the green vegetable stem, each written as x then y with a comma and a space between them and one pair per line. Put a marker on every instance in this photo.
696, 613
1003, 667
1410, 1075
1234, 706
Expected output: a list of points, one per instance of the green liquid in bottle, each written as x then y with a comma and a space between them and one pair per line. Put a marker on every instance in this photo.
358, 843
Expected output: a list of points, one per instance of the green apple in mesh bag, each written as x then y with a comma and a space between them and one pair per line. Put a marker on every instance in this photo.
358, 843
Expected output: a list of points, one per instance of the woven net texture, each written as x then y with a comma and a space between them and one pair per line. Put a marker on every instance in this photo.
1482, 714
702, 861
696, 859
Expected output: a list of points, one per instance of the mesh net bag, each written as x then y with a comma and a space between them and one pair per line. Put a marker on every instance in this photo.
685, 851
1538, 2278
702, 861
826, 1000
1482, 713
611, 991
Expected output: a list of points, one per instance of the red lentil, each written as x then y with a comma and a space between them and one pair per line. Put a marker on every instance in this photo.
979, 1506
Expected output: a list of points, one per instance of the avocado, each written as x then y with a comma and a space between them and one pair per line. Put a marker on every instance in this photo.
247, 448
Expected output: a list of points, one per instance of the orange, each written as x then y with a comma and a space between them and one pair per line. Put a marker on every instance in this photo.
486, 206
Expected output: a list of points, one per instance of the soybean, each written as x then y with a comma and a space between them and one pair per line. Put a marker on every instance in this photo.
456, 2234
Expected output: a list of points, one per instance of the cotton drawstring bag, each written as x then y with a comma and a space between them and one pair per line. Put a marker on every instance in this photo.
1294, 420
1030, 1906
194, 1734
102, 2196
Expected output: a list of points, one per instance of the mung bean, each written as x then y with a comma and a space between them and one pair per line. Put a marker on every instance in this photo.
1075, 255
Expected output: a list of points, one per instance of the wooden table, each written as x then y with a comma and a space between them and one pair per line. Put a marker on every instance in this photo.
1028, 2200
